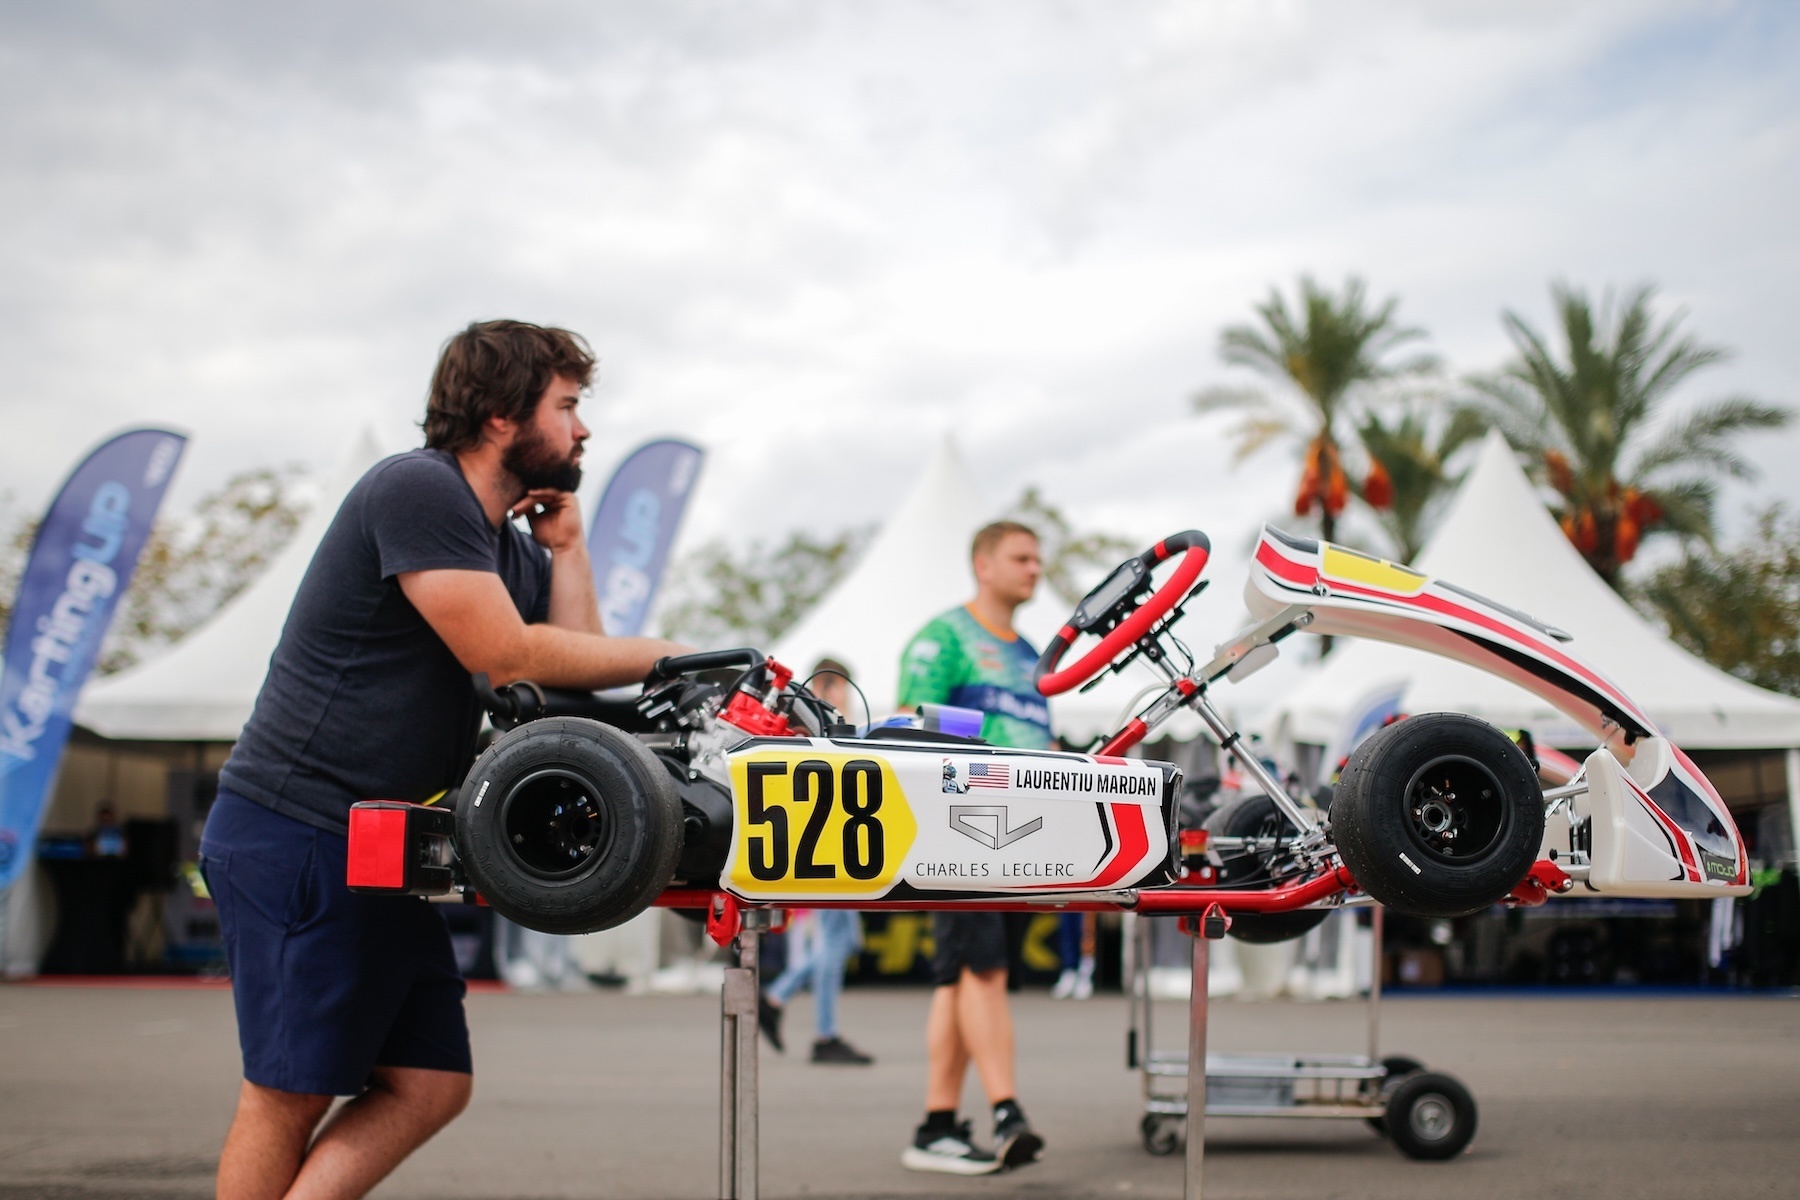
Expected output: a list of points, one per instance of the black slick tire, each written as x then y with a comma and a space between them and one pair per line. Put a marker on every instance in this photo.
1438, 815
1430, 1116
566, 825
1255, 816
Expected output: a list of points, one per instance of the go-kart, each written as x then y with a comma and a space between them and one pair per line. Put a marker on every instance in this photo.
726, 783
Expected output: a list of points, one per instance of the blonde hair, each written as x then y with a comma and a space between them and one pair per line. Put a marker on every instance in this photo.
989, 536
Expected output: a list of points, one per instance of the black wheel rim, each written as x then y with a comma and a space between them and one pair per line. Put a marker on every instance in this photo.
555, 824
1456, 810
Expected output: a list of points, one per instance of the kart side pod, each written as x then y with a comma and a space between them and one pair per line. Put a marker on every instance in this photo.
848, 819
1650, 831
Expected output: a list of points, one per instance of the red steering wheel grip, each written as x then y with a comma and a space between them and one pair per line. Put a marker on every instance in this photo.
1194, 548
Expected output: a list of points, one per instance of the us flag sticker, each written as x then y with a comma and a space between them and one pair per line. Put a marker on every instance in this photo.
989, 775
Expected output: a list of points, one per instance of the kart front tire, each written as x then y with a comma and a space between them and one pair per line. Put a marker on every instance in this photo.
1438, 815
566, 825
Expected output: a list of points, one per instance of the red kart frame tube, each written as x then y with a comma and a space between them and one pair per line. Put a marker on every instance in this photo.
1153, 901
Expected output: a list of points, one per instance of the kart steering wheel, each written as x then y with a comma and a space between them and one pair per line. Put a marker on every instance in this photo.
1117, 609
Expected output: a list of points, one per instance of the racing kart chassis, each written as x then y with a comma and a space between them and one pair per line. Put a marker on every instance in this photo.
727, 785
728, 788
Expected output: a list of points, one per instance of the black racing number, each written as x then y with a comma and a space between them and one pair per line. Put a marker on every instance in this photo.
865, 849
768, 862
813, 784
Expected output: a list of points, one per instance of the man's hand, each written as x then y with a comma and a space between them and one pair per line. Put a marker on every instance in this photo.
554, 516
475, 616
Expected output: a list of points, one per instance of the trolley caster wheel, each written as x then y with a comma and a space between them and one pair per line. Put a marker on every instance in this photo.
1430, 1116
1160, 1136
1394, 1068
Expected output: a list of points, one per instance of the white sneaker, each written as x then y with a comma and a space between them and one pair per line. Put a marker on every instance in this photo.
1065, 986
953, 1153
1084, 987
521, 974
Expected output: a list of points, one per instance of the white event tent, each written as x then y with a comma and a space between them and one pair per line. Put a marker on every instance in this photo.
916, 567
1498, 539
202, 689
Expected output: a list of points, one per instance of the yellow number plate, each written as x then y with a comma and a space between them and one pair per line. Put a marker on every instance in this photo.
817, 824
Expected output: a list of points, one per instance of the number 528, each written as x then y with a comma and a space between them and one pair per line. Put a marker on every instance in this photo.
807, 822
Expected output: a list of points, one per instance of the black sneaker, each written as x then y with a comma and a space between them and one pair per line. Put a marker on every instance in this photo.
951, 1152
1014, 1142
768, 1019
837, 1050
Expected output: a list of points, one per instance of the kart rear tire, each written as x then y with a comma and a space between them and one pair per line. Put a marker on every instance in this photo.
1439, 815
566, 825
1430, 1117
1257, 816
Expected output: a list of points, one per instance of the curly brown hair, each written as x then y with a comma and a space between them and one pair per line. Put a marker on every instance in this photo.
497, 369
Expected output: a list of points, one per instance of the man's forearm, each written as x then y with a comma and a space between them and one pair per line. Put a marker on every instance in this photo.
573, 604
557, 657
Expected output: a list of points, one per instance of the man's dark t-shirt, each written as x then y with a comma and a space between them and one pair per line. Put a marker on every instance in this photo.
363, 700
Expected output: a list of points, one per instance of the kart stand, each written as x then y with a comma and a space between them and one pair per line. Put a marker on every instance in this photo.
737, 1061
1207, 929
1426, 1115
738, 1047
1436, 1116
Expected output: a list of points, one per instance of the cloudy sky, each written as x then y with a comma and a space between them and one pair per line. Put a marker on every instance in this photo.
814, 236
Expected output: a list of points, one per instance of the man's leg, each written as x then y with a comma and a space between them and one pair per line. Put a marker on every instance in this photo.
941, 1143
836, 937
985, 1019
946, 1057
369, 1136
984, 1022
267, 1142
803, 950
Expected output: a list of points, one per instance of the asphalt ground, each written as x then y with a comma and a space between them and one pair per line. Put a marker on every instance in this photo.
109, 1092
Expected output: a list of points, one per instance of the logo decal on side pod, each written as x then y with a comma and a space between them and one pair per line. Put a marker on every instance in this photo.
962, 817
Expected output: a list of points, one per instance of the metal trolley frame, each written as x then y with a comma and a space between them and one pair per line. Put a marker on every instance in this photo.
1319, 1086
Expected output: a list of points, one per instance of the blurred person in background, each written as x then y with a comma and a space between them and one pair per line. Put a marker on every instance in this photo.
1075, 941
972, 657
823, 938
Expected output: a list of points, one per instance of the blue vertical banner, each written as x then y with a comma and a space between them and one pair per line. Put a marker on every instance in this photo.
79, 568
634, 526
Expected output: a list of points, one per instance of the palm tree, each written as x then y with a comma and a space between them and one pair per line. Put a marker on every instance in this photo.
1588, 424
1326, 356
1408, 476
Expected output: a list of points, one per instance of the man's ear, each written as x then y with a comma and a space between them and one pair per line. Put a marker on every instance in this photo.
499, 430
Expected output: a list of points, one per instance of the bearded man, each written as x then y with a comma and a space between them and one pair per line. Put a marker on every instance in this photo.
422, 581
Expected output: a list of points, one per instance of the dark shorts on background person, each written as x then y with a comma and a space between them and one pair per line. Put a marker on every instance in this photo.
973, 940
328, 984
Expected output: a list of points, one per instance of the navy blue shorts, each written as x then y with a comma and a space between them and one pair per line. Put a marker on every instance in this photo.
328, 984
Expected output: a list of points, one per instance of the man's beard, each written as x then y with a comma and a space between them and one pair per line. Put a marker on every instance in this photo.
531, 461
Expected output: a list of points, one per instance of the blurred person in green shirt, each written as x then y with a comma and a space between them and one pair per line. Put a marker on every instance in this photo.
972, 657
